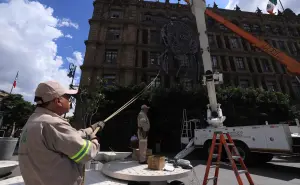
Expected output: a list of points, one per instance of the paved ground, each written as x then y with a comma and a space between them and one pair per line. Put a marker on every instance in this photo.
281, 171
278, 172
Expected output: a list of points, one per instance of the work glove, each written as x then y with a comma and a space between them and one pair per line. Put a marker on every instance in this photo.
92, 136
100, 124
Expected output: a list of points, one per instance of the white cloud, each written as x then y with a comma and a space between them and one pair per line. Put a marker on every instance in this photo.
67, 23
27, 44
77, 58
246, 5
69, 36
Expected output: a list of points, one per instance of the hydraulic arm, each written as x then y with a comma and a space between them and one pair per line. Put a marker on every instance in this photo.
215, 116
292, 65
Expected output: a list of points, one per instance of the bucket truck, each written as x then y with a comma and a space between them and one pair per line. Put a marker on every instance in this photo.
259, 142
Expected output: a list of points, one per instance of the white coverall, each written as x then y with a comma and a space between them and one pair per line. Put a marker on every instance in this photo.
143, 129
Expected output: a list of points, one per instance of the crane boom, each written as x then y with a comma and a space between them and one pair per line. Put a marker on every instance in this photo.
215, 116
292, 65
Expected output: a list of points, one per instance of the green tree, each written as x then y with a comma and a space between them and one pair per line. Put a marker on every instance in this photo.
16, 110
92, 98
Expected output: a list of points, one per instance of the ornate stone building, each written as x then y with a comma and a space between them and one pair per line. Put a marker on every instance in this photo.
125, 41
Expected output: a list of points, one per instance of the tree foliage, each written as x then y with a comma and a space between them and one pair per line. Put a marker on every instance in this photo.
16, 110
92, 98
241, 106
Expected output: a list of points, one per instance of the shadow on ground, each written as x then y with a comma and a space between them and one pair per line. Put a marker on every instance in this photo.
273, 169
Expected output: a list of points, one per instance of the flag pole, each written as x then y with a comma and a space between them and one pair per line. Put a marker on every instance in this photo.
281, 5
12, 87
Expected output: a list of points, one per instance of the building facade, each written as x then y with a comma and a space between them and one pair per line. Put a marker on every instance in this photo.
125, 43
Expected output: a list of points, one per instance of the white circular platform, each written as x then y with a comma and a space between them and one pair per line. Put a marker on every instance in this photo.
7, 166
133, 171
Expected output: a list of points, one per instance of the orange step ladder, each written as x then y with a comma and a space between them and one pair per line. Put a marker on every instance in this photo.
230, 150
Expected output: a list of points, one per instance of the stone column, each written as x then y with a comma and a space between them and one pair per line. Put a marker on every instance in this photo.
277, 79
219, 62
254, 65
223, 40
259, 80
89, 54
285, 84
227, 63
94, 30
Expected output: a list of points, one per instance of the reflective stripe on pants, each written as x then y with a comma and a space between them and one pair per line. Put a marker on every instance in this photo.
143, 149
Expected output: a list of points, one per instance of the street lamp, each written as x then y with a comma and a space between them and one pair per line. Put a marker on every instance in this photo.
71, 74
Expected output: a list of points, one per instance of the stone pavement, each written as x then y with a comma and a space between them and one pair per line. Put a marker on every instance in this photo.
278, 172
281, 171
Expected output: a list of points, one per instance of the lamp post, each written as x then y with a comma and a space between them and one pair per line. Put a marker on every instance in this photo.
71, 74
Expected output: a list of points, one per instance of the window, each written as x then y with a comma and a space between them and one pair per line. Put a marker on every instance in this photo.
234, 42
154, 58
281, 45
115, 14
271, 85
291, 48
145, 58
247, 27
113, 34
211, 41
156, 82
245, 44
266, 65
214, 62
244, 83
154, 37
296, 46
277, 30
222, 27
256, 28
184, 63
291, 31
110, 79
145, 36
267, 28
111, 56
240, 63
274, 44
296, 88
210, 22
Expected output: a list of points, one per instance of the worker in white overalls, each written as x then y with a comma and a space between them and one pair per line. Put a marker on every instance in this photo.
143, 129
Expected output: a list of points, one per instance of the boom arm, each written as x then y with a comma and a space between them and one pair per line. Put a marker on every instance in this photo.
292, 65
215, 116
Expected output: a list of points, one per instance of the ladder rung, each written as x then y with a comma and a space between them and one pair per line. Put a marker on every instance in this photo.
215, 164
242, 171
215, 155
236, 157
229, 144
212, 178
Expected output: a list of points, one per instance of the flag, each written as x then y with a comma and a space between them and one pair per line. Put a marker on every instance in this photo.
271, 6
15, 82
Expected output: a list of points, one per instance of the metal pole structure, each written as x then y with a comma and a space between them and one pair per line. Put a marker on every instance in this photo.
71, 74
15, 81
281, 5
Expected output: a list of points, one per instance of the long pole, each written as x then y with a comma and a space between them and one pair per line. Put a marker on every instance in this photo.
281, 5
15, 81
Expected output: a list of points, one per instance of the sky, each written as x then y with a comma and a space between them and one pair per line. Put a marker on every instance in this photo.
40, 38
